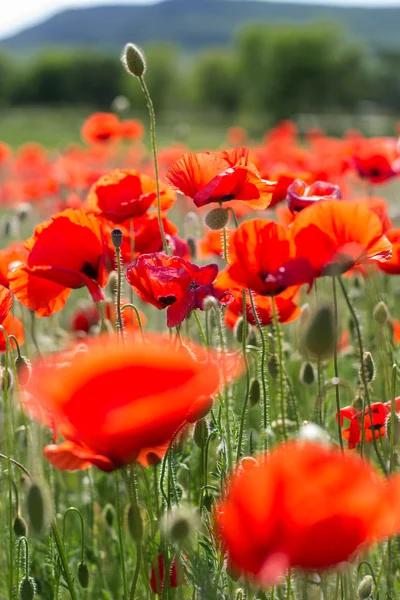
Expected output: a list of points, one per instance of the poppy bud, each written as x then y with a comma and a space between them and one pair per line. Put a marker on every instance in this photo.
364, 590
19, 526
83, 575
116, 238
112, 282
396, 428
381, 313
273, 366
23, 370
252, 337
26, 589
210, 302
133, 60
307, 374
35, 508
191, 242
368, 368
7, 379
134, 522
200, 433
179, 524
217, 219
240, 595
320, 334
239, 330
255, 392
109, 515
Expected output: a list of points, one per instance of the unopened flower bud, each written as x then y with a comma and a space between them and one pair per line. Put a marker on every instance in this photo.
364, 590
19, 526
307, 374
396, 428
7, 379
133, 60
320, 334
36, 508
191, 242
26, 589
134, 522
368, 368
381, 313
117, 237
217, 219
273, 366
109, 514
178, 524
210, 302
252, 337
239, 330
23, 370
83, 575
200, 433
255, 392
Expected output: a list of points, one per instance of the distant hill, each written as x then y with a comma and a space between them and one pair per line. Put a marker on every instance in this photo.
194, 24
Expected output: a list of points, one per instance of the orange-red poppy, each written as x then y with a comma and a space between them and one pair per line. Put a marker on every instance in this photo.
262, 258
64, 253
300, 195
377, 159
11, 324
124, 194
118, 402
101, 128
10, 258
175, 284
334, 236
392, 266
5, 153
220, 177
131, 129
302, 506
374, 422
286, 309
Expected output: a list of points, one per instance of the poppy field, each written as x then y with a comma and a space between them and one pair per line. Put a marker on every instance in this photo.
200, 385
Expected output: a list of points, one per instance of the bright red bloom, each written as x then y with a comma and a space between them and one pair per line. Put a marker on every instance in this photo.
374, 422
64, 253
287, 310
11, 324
262, 258
131, 129
101, 128
5, 153
300, 195
220, 177
377, 159
125, 194
175, 284
120, 403
157, 578
392, 266
303, 505
334, 236
10, 258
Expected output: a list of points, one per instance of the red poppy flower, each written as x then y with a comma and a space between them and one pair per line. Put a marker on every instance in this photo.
176, 576
300, 195
131, 129
262, 258
374, 423
302, 506
125, 194
101, 128
5, 153
220, 177
11, 324
283, 183
377, 159
64, 253
10, 258
334, 236
120, 403
175, 284
392, 266
287, 310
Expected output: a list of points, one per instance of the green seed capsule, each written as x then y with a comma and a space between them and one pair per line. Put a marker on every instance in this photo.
26, 589
255, 392
19, 527
134, 522
320, 334
381, 313
35, 507
307, 374
364, 590
200, 433
133, 60
83, 575
217, 219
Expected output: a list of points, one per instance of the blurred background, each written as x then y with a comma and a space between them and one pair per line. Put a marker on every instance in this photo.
211, 64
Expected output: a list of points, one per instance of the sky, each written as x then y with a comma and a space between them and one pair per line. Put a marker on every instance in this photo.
18, 14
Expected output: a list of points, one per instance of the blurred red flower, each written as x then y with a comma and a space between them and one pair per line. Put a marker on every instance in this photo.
157, 575
377, 159
374, 422
101, 128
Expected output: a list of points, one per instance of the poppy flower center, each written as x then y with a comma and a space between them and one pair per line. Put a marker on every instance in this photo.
375, 172
167, 300
227, 198
193, 286
89, 270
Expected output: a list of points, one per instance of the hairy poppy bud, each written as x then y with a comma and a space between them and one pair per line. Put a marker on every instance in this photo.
217, 219
239, 330
133, 60
180, 524
381, 313
252, 337
23, 370
35, 508
255, 392
210, 302
112, 282
109, 515
273, 366
26, 589
19, 526
364, 590
307, 375
191, 242
320, 334
134, 522
7, 379
200, 433
396, 428
83, 575
117, 237
240, 595
368, 368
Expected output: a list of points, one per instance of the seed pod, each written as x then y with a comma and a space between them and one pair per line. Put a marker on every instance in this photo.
23, 369
19, 526
364, 590
134, 522
117, 237
307, 374
381, 313
109, 515
217, 219
255, 392
35, 507
133, 60
273, 366
368, 368
320, 334
83, 575
26, 589
200, 433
